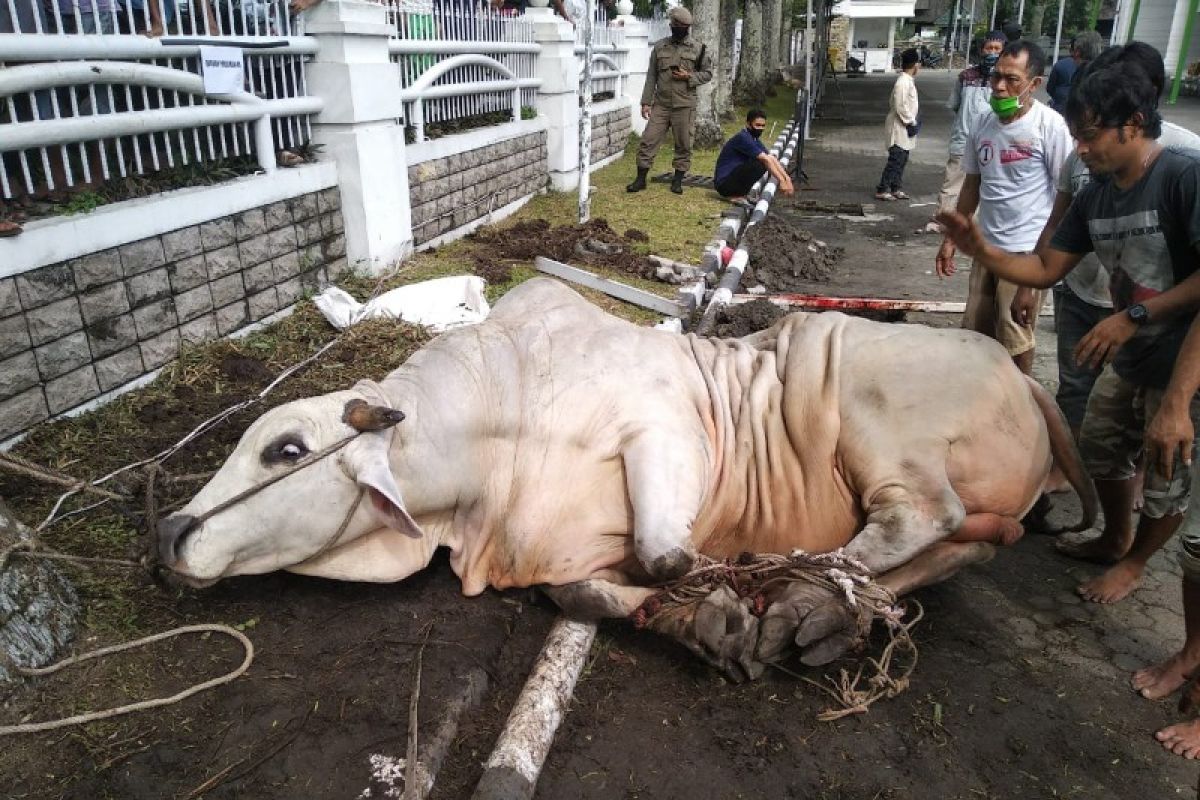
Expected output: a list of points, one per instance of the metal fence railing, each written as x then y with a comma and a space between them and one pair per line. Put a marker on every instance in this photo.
657, 26
96, 89
459, 65
609, 56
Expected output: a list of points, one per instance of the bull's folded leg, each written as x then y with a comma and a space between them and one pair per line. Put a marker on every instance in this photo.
935, 565
664, 472
598, 599
824, 627
720, 628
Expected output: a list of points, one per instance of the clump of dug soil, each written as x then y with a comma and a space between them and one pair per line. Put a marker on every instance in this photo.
743, 319
593, 243
746, 318
783, 258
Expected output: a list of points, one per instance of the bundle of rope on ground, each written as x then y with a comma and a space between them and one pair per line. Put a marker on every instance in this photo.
756, 577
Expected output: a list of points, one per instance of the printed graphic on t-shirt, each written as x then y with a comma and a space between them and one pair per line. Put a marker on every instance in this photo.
987, 151
1019, 151
1136, 249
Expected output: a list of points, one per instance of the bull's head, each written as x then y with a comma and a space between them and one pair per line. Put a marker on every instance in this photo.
293, 522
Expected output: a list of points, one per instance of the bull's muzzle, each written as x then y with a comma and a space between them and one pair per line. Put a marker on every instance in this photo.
172, 533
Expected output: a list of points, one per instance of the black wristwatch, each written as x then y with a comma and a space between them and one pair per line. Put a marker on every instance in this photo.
1138, 313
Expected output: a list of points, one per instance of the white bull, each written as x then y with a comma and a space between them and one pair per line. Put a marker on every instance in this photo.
557, 445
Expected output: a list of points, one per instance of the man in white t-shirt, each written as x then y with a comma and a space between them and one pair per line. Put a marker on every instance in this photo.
1012, 163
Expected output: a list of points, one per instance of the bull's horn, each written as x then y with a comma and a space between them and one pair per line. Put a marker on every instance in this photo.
365, 418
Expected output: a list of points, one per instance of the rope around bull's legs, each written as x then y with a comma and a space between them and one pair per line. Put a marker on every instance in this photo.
752, 577
79, 719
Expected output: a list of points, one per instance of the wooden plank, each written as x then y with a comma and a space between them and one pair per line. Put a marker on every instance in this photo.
621, 291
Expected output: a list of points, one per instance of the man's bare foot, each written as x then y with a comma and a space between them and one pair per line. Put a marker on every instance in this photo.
153, 32
1098, 549
8, 228
1182, 739
1161, 680
1113, 586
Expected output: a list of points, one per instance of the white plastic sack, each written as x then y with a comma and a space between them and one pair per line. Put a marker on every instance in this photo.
438, 304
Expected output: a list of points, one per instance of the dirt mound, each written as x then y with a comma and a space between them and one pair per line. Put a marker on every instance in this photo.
593, 243
783, 257
746, 318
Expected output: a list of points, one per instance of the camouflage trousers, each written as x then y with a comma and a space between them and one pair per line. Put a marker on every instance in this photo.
1112, 437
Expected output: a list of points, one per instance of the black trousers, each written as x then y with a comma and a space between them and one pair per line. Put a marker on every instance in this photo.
738, 182
893, 172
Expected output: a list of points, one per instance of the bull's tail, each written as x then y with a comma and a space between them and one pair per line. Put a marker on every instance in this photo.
1066, 455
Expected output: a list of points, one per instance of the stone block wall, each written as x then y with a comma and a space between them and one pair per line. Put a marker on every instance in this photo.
610, 133
72, 331
450, 192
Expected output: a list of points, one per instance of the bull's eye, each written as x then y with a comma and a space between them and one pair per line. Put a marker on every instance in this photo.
284, 450
291, 451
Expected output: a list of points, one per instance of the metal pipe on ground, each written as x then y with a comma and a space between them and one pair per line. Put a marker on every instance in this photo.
512, 771
728, 284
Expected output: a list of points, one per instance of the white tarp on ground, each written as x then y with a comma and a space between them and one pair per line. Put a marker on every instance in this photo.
438, 304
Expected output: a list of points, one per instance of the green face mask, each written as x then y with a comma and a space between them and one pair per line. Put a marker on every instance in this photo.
1005, 106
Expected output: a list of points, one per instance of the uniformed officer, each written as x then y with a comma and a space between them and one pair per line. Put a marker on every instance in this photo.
678, 65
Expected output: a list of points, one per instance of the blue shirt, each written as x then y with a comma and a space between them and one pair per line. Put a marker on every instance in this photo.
1058, 86
737, 151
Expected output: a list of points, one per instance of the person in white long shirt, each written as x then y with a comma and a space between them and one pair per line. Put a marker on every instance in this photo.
1012, 162
900, 128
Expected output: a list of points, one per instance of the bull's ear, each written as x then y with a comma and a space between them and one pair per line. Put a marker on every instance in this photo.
366, 460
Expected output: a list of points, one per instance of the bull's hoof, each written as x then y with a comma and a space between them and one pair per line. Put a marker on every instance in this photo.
726, 634
816, 620
671, 565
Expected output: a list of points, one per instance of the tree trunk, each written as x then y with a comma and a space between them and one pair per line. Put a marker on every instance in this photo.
706, 27
771, 13
748, 87
1036, 17
37, 604
785, 35
723, 77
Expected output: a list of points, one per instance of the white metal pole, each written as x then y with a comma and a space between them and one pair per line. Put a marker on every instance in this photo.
1021, 14
585, 118
810, 64
1062, 5
955, 24
995, 6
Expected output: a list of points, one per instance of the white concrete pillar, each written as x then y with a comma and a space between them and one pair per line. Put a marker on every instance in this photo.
637, 64
558, 96
360, 85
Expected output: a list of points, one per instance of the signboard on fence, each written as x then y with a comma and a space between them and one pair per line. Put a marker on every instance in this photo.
222, 68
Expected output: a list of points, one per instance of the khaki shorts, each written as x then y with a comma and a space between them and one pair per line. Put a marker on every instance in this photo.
952, 183
989, 300
1113, 435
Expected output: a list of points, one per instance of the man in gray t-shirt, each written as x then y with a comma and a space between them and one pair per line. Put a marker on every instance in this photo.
1081, 299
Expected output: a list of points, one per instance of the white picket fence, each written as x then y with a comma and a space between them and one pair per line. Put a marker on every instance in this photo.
456, 64
83, 96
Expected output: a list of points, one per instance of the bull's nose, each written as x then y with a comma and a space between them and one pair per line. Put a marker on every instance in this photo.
172, 533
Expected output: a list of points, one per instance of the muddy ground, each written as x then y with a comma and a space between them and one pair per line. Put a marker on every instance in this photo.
591, 244
1020, 691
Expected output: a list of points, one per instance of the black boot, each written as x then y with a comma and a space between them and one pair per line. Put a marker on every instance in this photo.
677, 182
639, 182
